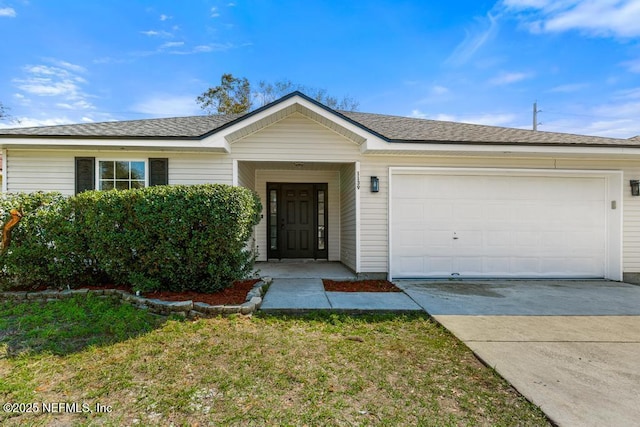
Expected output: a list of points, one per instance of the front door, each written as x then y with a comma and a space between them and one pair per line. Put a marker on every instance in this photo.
297, 220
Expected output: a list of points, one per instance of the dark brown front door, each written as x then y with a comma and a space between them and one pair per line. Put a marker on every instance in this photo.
297, 220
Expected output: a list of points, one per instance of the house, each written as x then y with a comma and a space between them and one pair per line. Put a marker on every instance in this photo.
384, 195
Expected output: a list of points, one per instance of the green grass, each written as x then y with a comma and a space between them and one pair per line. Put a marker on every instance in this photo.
324, 369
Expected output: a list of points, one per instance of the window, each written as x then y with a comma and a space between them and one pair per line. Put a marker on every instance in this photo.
273, 219
321, 224
121, 174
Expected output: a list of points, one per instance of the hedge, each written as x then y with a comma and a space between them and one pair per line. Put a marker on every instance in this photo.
158, 238
29, 258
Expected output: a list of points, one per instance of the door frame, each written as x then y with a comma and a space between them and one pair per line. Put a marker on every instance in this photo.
276, 253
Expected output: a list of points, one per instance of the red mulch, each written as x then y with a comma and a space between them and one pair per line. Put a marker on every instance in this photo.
359, 286
233, 295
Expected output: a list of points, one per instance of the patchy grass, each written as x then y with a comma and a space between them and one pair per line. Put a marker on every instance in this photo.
323, 369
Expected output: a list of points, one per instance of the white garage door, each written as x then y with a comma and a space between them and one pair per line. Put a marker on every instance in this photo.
498, 226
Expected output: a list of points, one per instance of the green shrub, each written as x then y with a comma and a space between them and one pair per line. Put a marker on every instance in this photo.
28, 259
171, 237
158, 238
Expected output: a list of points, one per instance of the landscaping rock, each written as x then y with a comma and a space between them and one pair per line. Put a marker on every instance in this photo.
14, 296
181, 308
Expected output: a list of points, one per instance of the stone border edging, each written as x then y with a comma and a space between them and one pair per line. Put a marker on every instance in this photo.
187, 309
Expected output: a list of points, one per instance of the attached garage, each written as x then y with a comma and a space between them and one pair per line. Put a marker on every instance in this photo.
505, 223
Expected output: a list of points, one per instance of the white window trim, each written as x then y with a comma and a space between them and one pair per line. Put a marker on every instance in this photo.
109, 159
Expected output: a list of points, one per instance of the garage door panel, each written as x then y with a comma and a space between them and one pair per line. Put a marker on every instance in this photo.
440, 264
498, 226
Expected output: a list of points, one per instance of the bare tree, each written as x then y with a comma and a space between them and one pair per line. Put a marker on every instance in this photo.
235, 96
4, 112
269, 92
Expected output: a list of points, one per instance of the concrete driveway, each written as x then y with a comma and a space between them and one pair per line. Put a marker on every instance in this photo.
572, 347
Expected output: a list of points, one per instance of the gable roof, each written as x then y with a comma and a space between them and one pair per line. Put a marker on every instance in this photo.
388, 128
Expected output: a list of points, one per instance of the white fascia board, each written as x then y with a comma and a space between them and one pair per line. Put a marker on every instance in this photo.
379, 146
219, 145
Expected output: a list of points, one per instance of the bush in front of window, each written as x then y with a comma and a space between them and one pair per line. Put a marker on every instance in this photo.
158, 238
171, 237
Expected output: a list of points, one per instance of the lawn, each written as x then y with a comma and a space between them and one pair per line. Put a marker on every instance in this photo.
323, 369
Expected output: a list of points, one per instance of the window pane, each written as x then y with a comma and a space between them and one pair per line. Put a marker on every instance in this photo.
137, 170
106, 185
273, 218
321, 224
122, 170
106, 170
122, 185
137, 184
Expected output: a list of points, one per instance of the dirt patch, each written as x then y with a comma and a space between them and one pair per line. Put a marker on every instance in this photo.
359, 286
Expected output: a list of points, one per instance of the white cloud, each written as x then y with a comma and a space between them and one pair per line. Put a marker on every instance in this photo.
475, 39
164, 17
63, 85
155, 33
214, 12
616, 118
632, 66
169, 45
67, 65
633, 93
603, 18
214, 47
8, 12
439, 90
27, 122
509, 78
488, 119
168, 105
569, 88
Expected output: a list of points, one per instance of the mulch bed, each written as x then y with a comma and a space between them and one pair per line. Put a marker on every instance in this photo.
359, 286
233, 295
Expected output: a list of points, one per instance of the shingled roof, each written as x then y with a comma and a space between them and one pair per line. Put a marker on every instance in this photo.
389, 128
192, 127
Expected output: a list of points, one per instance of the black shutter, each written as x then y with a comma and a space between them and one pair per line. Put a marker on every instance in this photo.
85, 174
158, 172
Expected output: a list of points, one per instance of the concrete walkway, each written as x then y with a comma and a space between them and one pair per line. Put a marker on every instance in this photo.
571, 347
299, 295
297, 288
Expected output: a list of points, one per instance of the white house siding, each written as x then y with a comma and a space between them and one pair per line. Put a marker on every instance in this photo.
331, 177
348, 194
39, 170
189, 169
29, 171
296, 138
247, 175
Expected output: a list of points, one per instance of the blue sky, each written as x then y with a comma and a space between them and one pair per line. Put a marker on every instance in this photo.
69, 61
